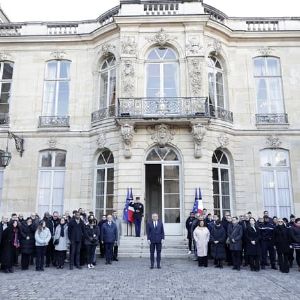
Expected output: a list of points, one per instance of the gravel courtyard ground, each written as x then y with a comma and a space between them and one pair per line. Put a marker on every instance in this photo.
132, 279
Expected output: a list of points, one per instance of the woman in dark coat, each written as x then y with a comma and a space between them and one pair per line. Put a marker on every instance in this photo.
295, 239
253, 244
10, 244
91, 237
282, 244
218, 239
27, 242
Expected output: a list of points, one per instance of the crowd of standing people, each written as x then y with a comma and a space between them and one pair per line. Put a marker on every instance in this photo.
244, 241
46, 240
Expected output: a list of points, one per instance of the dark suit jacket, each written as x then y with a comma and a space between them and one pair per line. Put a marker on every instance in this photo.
75, 231
155, 235
109, 233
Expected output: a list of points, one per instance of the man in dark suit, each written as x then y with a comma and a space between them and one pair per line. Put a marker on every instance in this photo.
109, 236
75, 234
155, 237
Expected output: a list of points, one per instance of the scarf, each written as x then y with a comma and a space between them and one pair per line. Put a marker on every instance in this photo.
15, 236
62, 230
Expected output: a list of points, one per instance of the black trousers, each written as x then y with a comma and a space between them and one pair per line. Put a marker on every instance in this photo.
50, 253
283, 261
108, 251
25, 260
190, 244
90, 253
267, 246
115, 252
202, 261
228, 255
236, 258
40, 257
254, 262
156, 246
298, 257
60, 257
75, 254
102, 250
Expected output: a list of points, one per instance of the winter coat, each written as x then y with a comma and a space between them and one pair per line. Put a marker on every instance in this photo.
63, 241
100, 224
281, 239
235, 235
42, 237
201, 237
7, 246
91, 235
27, 240
188, 225
118, 223
252, 234
75, 230
218, 234
295, 236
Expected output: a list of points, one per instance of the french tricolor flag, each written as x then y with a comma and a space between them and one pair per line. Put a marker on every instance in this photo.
128, 209
200, 203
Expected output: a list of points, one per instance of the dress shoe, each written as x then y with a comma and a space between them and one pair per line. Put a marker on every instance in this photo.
116, 259
71, 267
274, 267
106, 262
151, 267
79, 267
158, 267
47, 266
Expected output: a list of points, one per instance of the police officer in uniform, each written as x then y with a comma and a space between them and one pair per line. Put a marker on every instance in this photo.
138, 215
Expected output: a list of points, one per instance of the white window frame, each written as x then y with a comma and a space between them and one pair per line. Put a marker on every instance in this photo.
162, 63
275, 170
267, 78
2, 81
104, 167
216, 70
107, 70
52, 170
220, 166
57, 80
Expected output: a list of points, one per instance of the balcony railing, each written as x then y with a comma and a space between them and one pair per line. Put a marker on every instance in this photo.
271, 119
4, 119
54, 121
103, 113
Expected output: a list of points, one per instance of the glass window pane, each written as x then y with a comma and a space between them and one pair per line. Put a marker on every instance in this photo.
49, 98
216, 202
259, 66
216, 190
281, 158
171, 186
46, 159
99, 201
110, 188
153, 156
63, 99
58, 179
60, 159
224, 160
109, 204
225, 188
273, 66
101, 160
226, 202
65, 70
51, 70
172, 216
101, 176
215, 174
171, 172
8, 70
172, 201
110, 174
224, 175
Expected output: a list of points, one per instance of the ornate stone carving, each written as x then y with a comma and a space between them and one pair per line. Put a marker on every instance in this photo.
129, 46
198, 132
101, 140
58, 54
107, 49
216, 45
161, 38
5, 56
128, 78
223, 140
127, 136
195, 77
273, 141
265, 51
193, 47
52, 142
162, 134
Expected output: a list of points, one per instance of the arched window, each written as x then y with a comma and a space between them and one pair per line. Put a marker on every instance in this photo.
52, 167
216, 83
221, 183
57, 88
6, 74
108, 82
162, 73
276, 182
269, 94
104, 183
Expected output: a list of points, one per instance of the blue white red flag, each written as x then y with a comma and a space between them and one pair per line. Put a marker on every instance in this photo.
128, 209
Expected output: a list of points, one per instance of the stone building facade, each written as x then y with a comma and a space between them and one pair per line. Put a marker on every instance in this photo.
160, 96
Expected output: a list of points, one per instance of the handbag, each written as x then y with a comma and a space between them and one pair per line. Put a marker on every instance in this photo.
56, 242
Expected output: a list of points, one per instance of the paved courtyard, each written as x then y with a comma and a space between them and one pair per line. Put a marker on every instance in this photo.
132, 279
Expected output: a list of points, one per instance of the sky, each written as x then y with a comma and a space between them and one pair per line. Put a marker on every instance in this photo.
77, 10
